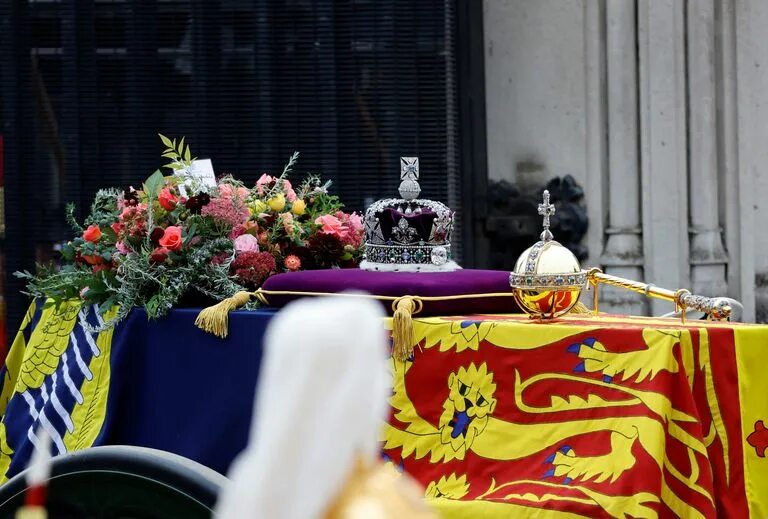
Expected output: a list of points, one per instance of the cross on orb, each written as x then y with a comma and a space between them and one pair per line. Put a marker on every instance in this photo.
546, 210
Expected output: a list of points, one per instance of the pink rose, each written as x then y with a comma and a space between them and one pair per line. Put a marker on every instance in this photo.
331, 225
171, 239
264, 180
246, 243
122, 248
354, 225
355, 222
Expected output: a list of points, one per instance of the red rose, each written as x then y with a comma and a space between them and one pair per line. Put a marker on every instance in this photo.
159, 255
92, 234
171, 239
167, 199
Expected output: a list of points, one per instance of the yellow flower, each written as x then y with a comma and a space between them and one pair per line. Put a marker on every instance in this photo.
298, 207
277, 202
258, 207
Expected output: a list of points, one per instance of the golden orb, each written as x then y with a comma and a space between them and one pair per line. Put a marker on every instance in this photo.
547, 279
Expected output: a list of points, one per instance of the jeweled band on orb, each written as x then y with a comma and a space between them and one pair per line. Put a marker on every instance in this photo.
548, 281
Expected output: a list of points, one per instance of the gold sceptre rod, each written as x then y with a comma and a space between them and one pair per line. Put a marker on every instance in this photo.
716, 308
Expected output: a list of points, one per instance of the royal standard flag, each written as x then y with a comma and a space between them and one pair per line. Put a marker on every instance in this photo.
584, 417
55, 378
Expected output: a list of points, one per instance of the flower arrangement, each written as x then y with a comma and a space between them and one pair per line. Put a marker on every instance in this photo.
149, 247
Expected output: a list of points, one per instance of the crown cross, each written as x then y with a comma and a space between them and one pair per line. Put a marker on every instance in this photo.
409, 178
546, 210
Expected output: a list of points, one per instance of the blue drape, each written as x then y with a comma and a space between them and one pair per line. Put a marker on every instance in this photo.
179, 389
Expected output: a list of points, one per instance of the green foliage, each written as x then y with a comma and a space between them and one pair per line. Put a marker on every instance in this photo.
181, 157
153, 185
292, 160
124, 264
72, 219
103, 208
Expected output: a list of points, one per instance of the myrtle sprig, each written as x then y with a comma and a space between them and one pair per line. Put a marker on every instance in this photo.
277, 188
181, 156
72, 219
313, 184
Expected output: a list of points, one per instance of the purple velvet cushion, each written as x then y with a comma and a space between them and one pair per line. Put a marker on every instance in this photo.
398, 284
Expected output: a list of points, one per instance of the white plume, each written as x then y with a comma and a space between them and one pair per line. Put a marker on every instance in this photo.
40, 464
320, 403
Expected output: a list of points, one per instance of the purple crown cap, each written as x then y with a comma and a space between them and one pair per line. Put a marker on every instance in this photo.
408, 233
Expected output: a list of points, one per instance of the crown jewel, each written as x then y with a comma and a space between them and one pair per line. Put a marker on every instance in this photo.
547, 278
408, 233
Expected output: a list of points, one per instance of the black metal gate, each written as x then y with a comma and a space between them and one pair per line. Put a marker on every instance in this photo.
352, 84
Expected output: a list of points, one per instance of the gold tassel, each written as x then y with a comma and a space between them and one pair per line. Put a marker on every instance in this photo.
402, 327
580, 308
215, 319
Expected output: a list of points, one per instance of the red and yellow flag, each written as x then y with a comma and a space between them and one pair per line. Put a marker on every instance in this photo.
584, 417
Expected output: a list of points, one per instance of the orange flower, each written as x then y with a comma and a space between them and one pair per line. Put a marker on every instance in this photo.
92, 259
171, 239
92, 234
292, 262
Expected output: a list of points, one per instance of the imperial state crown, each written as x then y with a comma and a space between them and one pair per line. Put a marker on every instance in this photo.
408, 234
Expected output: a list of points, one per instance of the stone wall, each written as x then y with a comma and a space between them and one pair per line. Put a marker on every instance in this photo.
659, 108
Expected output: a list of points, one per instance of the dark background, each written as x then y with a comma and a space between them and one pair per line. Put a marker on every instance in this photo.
85, 86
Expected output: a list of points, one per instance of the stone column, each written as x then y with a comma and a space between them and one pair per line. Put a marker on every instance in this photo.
663, 146
623, 253
707, 253
750, 184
